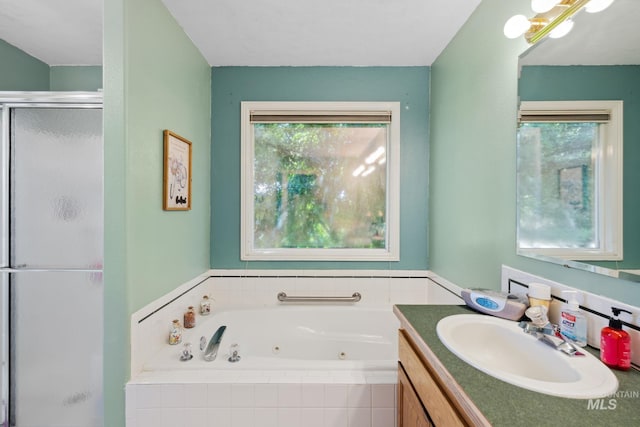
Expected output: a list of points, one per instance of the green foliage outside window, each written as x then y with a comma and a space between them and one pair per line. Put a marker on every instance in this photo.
305, 193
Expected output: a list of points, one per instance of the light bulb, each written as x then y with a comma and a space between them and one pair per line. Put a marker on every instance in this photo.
516, 26
542, 6
562, 29
595, 6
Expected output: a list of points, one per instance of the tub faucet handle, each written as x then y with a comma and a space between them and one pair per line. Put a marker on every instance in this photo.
233, 353
186, 354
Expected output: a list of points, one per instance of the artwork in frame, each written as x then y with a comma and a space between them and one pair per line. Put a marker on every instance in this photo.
177, 173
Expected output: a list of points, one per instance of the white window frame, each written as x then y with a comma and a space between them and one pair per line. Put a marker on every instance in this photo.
391, 251
608, 176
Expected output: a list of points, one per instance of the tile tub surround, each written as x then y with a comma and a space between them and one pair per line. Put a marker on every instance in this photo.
261, 405
237, 399
596, 308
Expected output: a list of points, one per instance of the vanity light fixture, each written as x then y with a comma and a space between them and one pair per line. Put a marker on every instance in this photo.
552, 18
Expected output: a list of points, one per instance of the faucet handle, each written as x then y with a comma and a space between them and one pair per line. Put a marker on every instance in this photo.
233, 353
538, 315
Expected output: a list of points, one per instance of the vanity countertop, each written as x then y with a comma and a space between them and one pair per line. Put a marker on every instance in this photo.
504, 404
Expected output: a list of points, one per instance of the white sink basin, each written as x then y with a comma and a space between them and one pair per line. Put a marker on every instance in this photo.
500, 348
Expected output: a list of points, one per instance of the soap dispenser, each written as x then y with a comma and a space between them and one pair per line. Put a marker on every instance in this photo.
615, 344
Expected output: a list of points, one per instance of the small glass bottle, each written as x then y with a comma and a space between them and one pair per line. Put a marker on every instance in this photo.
205, 305
190, 318
175, 334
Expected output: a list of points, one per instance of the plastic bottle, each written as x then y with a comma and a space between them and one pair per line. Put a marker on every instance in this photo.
573, 324
615, 344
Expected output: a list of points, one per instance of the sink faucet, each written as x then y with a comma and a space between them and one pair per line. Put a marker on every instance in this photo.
539, 323
548, 333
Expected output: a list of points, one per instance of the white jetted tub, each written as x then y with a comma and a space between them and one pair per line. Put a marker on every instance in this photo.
289, 343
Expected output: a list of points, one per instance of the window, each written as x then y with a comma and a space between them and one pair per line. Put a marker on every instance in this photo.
570, 179
320, 181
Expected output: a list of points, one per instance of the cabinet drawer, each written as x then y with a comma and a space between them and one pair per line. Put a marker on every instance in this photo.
441, 410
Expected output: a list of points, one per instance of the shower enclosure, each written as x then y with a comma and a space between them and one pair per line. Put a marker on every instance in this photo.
51, 248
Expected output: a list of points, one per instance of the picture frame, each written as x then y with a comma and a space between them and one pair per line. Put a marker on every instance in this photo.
176, 187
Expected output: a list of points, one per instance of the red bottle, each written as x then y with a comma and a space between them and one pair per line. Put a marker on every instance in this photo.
615, 344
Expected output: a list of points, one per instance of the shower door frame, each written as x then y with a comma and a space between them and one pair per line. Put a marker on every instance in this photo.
8, 101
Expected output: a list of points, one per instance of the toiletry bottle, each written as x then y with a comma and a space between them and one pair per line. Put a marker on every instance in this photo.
573, 324
539, 294
205, 306
175, 333
615, 344
190, 318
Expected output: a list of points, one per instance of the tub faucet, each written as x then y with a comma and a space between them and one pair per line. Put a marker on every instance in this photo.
211, 351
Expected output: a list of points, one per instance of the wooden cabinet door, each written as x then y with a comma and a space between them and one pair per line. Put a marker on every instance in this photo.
411, 413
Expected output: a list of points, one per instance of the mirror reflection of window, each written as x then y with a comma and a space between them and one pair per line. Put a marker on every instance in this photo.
568, 164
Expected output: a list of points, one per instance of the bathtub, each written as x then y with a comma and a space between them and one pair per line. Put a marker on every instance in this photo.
289, 344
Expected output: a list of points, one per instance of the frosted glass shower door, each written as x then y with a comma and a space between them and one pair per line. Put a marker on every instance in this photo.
55, 287
56, 357
56, 188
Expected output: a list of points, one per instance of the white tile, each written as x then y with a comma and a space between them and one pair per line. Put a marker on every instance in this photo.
149, 396
242, 396
312, 417
131, 403
359, 395
313, 395
130, 421
218, 417
336, 417
359, 417
266, 417
289, 417
289, 395
383, 417
149, 417
383, 395
173, 396
195, 395
172, 417
219, 395
195, 417
242, 417
266, 395
335, 395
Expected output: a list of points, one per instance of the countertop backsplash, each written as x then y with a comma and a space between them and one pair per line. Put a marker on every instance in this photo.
596, 308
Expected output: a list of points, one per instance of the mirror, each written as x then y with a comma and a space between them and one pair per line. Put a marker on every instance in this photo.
598, 60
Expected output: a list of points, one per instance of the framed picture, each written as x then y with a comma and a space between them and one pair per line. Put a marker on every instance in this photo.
176, 186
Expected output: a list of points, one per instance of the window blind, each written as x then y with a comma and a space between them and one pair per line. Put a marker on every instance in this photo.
533, 116
272, 116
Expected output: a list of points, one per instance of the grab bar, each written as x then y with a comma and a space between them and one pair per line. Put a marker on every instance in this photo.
283, 297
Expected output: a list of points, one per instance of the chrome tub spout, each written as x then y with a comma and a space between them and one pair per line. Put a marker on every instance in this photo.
211, 351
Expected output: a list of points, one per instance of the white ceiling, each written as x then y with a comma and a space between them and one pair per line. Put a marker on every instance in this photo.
57, 32
254, 32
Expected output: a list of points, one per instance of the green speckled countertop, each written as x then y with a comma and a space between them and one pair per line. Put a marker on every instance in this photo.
504, 404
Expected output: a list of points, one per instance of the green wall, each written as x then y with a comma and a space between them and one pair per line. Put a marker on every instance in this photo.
407, 85
472, 168
20, 71
85, 78
154, 79
620, 82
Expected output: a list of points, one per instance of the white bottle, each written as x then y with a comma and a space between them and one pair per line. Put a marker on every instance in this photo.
573, 324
